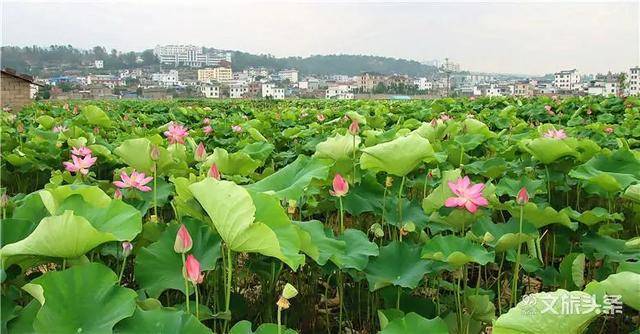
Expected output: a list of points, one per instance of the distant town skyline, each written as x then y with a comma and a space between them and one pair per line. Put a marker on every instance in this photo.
532, 37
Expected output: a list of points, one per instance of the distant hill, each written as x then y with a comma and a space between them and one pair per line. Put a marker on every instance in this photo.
36, 60
333, 64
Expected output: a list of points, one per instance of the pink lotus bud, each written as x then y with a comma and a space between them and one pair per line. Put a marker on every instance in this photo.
117, 194
183, 242
354, 127
207, 129
340, 186
320, 117
66, 106
200, 153
75, 110
608, 130
214, 172
155, 153
96, 130
127, 247
206, 121
523, 196
192, 270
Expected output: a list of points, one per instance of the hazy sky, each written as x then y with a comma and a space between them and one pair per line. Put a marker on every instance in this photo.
531, 37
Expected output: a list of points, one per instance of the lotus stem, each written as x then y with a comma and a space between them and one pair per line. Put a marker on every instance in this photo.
279, 320
124, 263
186, 286
516, 269
500, 284
400, 203
341, 297
546, 168
227, 300
195, 288
459, 305
341, 215
354, 160
155, 190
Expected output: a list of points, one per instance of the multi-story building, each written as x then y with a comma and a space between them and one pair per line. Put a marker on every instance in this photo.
423, 84
189, 55
210, 91
367, 81
270, 90
291, 75
340, 92
238, 91
524, 88
254, 89
108, 80
166, 79
568, 80
633, 81
604, 87
98, 63
219, 74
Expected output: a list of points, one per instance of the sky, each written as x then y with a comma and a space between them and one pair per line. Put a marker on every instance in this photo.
525, 37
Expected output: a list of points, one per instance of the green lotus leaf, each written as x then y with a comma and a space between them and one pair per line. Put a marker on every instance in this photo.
412, 323
52, 198
366, 196
455, 251
439, 195
232, 210
388, 315
625, 284
397, 157
633, 193
291, 181
161, 321
541, 216
476, 127
8, 311
46, 121
318, 242
398, 264
259, 151
480, 307
593, 216
608, 172
505, 236
510, 186
81, 299
548, 150
137, 154
23, 324
118, 218
185, 203
244, 327
337, 148
614, 249
490, 168
65, 236
158, 267
237, 163
96, 116
357, 252
542, 313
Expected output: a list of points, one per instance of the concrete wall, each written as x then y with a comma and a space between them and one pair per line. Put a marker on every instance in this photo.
15, 92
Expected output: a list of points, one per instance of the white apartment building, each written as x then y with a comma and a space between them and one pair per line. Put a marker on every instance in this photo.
604, 88
567, 80
219, 74
238, 91
166, 79
108, 80
271, 91
291, 75
423, 84
189, 55
98, 63
633, 81
210, 91
339, 92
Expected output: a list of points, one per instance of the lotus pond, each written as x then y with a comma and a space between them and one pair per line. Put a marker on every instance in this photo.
436, 216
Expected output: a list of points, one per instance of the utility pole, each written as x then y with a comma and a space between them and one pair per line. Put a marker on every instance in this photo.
447, 71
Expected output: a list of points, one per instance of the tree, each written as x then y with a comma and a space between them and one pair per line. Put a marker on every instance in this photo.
622, 83
148, 58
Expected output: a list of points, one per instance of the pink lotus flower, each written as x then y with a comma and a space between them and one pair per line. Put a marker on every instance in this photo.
207, 129
154, 154
117, 194
214, 172
175, 133
127, 247
608, 130
201, 153
549, 110
445, 117
183, 241
80, 165
59, 128
192, 270
320, 117
206, 121
469, 195
81, 151
556, 134
523, 196
96, 130
135, 180
340, 186
354, 127
236, 128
